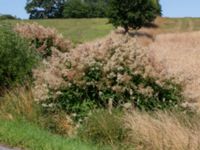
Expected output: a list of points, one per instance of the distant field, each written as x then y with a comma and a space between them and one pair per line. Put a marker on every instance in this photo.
178, 24
79, 30
82, 30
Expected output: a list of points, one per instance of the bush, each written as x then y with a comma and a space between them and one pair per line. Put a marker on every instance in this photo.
43, 39
123, 76
17, 59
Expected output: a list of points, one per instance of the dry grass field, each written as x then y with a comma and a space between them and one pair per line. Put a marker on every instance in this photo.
175, 46
180, 54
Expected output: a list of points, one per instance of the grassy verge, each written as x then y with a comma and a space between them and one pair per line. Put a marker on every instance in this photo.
28, 136
23, 125
77, 30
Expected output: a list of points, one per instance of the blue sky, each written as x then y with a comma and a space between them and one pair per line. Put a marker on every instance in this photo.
171, 8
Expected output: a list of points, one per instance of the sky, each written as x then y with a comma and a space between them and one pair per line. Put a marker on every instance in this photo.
171, 8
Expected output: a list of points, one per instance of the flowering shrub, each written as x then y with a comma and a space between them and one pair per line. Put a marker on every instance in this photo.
124, 74
43, 38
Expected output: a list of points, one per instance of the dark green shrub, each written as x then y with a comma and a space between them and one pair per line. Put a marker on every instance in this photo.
76, 9
17, 59
85, 9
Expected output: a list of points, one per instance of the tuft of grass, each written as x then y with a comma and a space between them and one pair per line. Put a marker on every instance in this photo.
19, 103
104, 128
163, 130
20, 133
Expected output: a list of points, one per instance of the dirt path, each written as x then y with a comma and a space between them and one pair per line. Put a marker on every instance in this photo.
5, 148
180, 54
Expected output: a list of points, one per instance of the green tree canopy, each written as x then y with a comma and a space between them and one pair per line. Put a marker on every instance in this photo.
45, 8
85, 8
133, 14
76, 9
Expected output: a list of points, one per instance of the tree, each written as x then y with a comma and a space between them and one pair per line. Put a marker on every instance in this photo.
157, 6
76, 9
45, 8
98, 8
85, 8
7, 16
133, 13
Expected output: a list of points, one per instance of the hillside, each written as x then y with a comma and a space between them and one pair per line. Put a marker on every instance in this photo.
83, 30
95, 87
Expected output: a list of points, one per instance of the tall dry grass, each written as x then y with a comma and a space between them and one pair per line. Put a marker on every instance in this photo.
179, 53
18, 103
162, 131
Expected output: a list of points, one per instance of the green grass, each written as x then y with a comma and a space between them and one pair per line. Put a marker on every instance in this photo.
83, 30
80, 30
77, 30
28, 136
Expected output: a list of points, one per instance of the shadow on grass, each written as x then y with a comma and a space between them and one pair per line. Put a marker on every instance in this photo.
141, 34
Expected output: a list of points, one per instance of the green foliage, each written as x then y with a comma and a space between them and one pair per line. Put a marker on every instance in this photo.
157, 6
79, 99
45, 8
85, 9
25, 135
68, 9
97, 8
16, 58
38, 44
74, 100
75, 9
4, 17
132, 14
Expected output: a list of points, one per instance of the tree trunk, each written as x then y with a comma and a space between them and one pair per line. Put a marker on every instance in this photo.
126, 29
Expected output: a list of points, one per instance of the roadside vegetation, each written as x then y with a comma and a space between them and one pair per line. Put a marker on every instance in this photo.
101, 82
25, 135
121, 92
